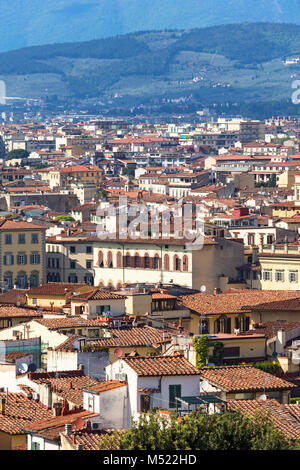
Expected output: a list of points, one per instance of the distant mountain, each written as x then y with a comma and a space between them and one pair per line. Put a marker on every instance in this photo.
242, 62
35, 22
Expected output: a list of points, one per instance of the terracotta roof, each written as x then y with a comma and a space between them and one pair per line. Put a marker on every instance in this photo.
286, 418
19, 312
270, 328
241, 378
161, 365
279, 305
52, 427
233, 301
70, 322
98, 294
55, 288
90, 440
106, 386
69, 388
12, 225
68, 344
133, 336
19, 412
13, 296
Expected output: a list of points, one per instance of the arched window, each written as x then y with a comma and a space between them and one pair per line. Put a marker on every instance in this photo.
8, 279
185, 263
136, 260
222, 325
176, 263
167, 263
109, 260
156, 262
127, 263
100, 259
146, 261
34, 279
119, 259
22, 280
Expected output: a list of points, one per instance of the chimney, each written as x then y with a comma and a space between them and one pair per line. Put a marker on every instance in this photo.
217, 291
2, 406
79, 447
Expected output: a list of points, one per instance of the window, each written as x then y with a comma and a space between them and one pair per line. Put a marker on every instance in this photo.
72, 264
231, 352
293, 276
279, 276
176, 263
156, 262
22, 259
88, 250
35, 258
88, 264
174, 392
101, 309
267, 275
34, 279
8, 239
146, 261
8, 260
127, 261
35, 446
145, 403
72, 249
34, 238
21, 238
245, 396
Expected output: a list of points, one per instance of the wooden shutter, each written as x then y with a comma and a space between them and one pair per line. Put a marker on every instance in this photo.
100, 258
109, 259
174, 392
167, 262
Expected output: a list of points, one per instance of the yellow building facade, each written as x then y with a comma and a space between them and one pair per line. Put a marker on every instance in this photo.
22, 257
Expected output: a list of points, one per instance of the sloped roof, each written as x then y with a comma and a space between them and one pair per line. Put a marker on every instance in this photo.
153, 366
242, 378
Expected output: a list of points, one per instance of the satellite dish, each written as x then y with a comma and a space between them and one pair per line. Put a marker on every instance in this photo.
23, 368
203, 289
29, 219
32, 367
118, 353
263, 397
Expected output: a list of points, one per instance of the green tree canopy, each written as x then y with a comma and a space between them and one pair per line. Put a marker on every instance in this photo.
198, 431
19, 153
64, 218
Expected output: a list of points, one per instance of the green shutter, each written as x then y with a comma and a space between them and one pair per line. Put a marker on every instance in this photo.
174, 392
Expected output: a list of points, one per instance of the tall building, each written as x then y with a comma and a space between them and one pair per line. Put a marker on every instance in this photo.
22, 250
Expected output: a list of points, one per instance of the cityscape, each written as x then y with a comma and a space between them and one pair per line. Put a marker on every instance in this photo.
150, 236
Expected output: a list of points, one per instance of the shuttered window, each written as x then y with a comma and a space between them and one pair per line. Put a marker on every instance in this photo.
174, 392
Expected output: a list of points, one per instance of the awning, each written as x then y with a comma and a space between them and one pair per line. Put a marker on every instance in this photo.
203, 400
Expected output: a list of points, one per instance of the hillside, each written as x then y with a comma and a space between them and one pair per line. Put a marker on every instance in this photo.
230, 62
34, 22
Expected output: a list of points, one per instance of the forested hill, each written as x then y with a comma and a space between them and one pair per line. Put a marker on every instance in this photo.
231, 62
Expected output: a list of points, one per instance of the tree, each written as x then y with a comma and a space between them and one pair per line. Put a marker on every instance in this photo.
197, 431
201, 346
19, 153
64, 218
